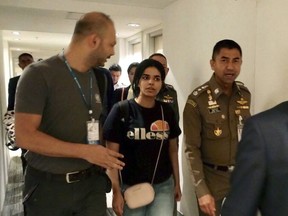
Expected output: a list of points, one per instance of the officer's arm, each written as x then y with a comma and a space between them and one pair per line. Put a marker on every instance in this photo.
192, 141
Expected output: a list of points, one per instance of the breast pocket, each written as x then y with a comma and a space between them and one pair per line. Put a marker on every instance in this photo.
245, 114
216, 127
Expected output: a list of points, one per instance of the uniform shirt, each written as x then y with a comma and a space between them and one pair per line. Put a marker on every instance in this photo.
140, 137
211, 119
119, 85
169, 95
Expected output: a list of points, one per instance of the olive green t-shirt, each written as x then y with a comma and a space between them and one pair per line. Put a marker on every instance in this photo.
47, 88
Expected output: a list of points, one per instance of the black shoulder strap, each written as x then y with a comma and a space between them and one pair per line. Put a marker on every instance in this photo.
124, 108
102, 85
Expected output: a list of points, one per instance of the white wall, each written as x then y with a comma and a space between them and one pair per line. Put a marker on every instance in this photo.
271, 73
4, 158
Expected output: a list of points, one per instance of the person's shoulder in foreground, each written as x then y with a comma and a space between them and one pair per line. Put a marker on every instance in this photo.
259, 181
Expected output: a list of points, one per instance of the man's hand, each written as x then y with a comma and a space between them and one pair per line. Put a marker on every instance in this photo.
104, 157
207, 204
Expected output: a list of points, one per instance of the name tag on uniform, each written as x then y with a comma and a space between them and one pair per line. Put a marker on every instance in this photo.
93, 132
240, 127
214, 108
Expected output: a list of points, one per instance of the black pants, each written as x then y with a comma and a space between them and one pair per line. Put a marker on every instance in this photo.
24, 162
46, 197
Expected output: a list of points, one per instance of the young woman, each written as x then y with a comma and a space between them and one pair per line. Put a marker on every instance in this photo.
136, 130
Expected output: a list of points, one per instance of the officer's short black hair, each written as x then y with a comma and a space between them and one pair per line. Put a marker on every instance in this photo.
115, 67
226, 43
140, 70
24, 54
134, 64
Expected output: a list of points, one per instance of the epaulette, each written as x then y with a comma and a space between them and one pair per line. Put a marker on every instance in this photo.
191, 102
198, 91
239, 83
241, 86
169, 86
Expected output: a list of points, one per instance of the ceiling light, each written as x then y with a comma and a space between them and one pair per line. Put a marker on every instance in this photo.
16, 33
134, 25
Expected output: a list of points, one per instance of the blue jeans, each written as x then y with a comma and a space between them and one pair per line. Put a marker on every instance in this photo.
163, 204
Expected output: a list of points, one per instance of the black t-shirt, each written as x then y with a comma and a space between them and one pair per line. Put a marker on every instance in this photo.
140, 135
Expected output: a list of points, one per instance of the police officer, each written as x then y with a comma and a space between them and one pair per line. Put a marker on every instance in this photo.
214, 115
168, 93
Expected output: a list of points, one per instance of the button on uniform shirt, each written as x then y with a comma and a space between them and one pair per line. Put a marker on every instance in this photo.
211, 120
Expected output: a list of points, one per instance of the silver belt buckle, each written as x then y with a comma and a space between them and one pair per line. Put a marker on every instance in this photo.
231, 168
68, 177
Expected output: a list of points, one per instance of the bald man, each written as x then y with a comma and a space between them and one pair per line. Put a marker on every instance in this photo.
57, 120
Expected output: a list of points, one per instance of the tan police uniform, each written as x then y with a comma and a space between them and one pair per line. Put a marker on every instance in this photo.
213, 124
169, 95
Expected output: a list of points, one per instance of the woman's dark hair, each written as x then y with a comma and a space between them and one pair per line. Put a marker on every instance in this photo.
140, 70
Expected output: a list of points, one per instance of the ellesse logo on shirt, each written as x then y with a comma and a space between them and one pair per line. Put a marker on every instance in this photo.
155, 133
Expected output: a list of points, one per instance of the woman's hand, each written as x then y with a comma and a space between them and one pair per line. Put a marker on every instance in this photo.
118, 203
177, 193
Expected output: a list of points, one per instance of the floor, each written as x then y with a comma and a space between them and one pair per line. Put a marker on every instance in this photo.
13, 197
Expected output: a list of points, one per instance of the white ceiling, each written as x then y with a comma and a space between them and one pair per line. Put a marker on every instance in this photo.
46, 26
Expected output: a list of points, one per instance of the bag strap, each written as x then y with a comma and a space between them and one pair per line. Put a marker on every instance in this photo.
124, 109
102, 83
106, 90
162, 113
125, 112
122, 94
